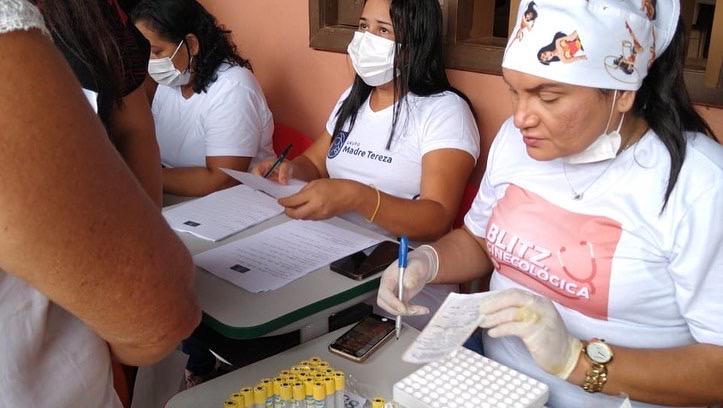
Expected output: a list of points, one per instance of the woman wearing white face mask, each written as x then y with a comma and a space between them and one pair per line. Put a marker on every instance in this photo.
600, 214
400, 132
401, 142
209, 111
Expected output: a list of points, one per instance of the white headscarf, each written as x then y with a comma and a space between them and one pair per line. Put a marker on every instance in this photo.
606, 44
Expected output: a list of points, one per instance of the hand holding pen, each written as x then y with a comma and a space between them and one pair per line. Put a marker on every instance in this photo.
280, 160
403, 249
420, 269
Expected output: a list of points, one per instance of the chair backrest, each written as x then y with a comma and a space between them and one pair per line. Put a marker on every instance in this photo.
470, 192
285, 135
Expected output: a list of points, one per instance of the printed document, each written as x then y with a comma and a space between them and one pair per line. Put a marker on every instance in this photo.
269, 187
223, 213
281, 254
449, 328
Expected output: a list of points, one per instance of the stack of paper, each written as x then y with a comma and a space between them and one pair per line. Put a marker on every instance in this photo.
223, 213
281, 254
269, 187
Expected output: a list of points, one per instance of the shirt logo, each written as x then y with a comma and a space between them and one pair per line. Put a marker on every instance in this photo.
337, 143
563, 255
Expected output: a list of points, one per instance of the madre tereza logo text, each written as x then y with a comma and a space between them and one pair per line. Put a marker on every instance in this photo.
366, 154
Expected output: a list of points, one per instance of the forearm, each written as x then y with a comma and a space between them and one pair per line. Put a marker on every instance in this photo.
304, 169
461, 258
194, 181
422, 220
688, 375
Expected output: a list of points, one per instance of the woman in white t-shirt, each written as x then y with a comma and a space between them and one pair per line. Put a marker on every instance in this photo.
209, 111
600, 214
398, 149
89, 270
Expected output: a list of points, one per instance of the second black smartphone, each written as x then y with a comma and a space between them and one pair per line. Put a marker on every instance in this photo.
359, 265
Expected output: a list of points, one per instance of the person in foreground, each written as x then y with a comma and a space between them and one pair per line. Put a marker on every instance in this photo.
599, 213
88, 267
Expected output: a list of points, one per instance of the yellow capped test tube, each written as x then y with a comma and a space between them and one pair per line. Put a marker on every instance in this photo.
230, 404
378, 402
309, 391
277, 390
330, 388
298, 394
339, 386
285, 395
238, 399
248, 394
323, 364
259, 396
314, 361
319, 394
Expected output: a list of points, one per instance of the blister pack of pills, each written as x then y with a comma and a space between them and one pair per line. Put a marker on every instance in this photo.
467, 379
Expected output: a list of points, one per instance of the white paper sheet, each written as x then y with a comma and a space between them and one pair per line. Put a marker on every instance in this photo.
269, 187
283, 253
449, 328
223, 213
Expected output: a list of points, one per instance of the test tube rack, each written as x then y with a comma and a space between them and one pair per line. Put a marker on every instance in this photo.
467, 379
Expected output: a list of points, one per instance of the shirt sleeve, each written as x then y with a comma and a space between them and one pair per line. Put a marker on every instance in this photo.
331, 122
451, 125
479, 213
18, 15
697, 267
233, 124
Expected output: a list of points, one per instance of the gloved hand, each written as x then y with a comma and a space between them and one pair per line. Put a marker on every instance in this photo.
534, 319
422, 265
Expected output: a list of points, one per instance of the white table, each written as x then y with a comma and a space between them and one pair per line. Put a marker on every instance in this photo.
302, 305
376, 376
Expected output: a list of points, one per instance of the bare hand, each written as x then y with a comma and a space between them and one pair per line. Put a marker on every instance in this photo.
281, 174
321, 199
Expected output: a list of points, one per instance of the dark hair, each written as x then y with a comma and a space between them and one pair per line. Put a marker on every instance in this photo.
531, 10
77, 28
419, 59
664, 103
550, 47
174, 19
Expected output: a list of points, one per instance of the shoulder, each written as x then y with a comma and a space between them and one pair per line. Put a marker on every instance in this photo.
443, 101
235, 79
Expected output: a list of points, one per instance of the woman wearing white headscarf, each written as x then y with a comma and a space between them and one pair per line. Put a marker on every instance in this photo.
599, 214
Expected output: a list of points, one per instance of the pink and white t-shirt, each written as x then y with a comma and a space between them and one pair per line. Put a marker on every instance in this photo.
615, 266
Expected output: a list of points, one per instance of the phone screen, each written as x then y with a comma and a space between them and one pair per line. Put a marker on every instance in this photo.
362, 264
364, 336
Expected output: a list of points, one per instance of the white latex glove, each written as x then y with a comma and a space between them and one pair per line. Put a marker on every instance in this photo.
534, 319
422, 265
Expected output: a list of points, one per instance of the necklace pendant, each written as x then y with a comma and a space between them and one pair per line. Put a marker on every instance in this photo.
577, 196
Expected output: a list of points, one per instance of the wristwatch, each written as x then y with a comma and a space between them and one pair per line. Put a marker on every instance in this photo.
599, 354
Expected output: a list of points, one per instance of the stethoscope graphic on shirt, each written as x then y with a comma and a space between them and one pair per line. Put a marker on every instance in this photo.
576, 276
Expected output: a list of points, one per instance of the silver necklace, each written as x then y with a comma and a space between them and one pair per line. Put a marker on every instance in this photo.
578, 195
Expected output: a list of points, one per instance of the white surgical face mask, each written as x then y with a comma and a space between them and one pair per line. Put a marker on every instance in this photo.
164, 72
605, 147
372, 57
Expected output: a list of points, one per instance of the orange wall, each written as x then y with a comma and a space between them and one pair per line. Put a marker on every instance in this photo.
302, 84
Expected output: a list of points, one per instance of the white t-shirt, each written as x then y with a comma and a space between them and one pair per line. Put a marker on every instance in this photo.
615, 267
48, 358
230, 119
441, 121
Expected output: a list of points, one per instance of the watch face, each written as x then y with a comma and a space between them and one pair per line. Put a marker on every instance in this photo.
599, 352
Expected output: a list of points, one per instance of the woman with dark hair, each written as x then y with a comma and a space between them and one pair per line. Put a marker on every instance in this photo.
109, 57
210, 112
527, 21
401, 143
599, 217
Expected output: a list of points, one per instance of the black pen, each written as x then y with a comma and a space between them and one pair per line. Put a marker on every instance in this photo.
279, 160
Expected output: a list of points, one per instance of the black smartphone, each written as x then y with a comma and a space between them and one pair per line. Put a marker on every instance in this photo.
364, 338
363, 264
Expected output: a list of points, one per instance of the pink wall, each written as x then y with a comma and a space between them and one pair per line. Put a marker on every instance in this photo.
302, 84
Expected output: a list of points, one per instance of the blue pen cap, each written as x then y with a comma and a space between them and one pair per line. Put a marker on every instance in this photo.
403, 249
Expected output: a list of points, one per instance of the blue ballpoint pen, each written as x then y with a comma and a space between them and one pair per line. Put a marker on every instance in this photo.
403, 249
